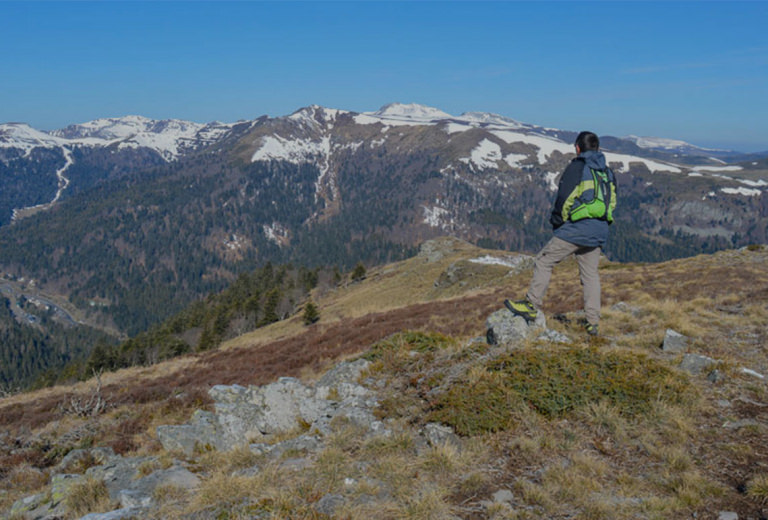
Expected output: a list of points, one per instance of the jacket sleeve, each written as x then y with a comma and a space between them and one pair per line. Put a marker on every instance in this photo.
569, 181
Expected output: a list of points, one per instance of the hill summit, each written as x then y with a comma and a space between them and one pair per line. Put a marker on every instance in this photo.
394, 405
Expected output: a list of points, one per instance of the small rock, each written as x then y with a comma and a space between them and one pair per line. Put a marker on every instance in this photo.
727, 515
715, 376
696, 364
503, 496
554, 337
629, 309
329, 504
674, 342
439, 434
752, 373
118, 514
742, 423
297, 464
132, 499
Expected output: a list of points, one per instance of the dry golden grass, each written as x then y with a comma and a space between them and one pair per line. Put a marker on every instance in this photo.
88, 496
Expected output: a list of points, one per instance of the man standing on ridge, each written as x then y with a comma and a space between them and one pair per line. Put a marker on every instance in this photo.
586, 198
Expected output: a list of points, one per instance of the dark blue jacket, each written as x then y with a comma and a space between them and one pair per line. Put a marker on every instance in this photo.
589, 232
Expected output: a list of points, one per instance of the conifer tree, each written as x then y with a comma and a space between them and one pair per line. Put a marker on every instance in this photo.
359, 272
311, 314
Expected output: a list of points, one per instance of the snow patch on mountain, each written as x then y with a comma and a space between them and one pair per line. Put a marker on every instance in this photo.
296, 151
485, 118
487, 154
277, 233
436, 216
625, 160
507, 261
719, 168
24, 137
315, 115
411, 111
546, 145
660, 143
747, 192
169, 137
551, 178
398, 114
515, 159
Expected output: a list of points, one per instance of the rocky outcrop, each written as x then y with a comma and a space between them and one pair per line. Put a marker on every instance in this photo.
248, 416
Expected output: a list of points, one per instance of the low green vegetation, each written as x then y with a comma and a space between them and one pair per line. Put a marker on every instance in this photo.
554, 383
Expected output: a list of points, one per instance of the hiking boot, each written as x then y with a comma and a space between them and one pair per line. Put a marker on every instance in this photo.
522, 308
591, 329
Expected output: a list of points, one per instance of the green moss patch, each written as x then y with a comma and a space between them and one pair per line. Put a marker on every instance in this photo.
411, 341
553, 383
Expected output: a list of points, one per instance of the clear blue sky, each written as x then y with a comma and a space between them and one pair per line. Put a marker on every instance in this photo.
696, 71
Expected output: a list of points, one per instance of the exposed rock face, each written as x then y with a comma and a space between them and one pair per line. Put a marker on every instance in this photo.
244, 416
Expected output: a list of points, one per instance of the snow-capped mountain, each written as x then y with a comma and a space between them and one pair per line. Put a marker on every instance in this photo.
189, 205
473, 146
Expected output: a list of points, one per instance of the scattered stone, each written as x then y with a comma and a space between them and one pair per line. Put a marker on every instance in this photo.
118, 514
674, 342
60, 485
329, 504
439, 434
742, 423
696, 364
629, 309
503, 496
554, 336
723, 403
715, 376
297, 464
750, 372
727, 515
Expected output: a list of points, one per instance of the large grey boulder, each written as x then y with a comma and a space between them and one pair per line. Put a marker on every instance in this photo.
505, 328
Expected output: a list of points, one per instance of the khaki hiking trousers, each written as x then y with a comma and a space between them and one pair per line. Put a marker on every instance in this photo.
552, 254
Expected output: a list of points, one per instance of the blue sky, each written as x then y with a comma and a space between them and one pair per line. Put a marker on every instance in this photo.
696, 71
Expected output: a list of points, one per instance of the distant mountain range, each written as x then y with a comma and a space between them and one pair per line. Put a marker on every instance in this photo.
130, 218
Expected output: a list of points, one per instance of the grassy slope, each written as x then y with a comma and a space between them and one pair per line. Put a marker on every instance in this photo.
593, 462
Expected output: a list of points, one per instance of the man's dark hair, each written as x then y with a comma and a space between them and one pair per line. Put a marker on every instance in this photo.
587, 141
